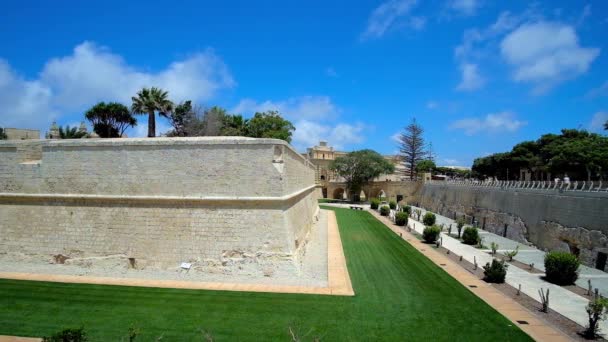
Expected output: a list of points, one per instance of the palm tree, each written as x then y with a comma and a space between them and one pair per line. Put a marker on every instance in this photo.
71, 132
150, 101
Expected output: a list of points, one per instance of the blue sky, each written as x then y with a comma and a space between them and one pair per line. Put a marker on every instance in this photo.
479, 75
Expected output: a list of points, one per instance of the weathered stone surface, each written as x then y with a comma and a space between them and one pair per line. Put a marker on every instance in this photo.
551, 220
161, 201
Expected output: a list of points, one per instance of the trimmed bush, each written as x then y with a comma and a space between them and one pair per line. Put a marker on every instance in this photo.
385, 210
401, 219
407, 209
374, 203
68, 335
495, 272
428, 219
470, 236
561, 268
430, 234
392, 205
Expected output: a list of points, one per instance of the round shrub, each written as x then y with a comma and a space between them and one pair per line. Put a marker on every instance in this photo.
428, 219
561, 268
385, 210
470, 236
407, 209
374, 203
430, 234
495, 272
401, 219
392, 205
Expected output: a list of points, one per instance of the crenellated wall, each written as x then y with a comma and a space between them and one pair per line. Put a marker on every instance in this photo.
161, 201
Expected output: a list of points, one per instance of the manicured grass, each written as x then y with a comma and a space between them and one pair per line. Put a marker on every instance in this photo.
400, 296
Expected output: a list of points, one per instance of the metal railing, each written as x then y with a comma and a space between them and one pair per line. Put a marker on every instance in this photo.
591, 186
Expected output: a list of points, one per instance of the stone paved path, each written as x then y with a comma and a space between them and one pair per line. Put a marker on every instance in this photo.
538, 329
339, 283
561, 300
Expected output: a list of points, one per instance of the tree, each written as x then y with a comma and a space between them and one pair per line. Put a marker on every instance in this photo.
234, 125
606, 125
71, 133
426, 165
110, 120
269, 125
411, 146
150, 101
179, 118
2, 134
359, 167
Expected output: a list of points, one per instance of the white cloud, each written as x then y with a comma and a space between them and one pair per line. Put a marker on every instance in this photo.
471, 79
331, 72
432, 105
598, 121
388, 15
309, 133
396, 138
545, 54
450, 162
465, 7
304, 107
599, 91
314, 118
92, 73
24, 103
494, 122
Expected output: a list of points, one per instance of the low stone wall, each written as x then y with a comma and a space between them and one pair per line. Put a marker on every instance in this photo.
550, 219
159, 201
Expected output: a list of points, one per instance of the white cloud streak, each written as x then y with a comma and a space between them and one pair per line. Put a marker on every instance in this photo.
494, 123
389, 15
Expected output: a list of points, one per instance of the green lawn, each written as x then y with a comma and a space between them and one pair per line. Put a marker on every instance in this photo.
400, 295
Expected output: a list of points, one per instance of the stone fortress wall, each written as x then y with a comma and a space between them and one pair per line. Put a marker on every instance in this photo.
574, 221
160, 201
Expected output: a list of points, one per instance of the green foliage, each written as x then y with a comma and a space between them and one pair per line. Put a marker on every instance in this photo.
374, 203
182, 118
67, 335
270, 125
597, 310
150, 101
512, 253
401, 218
459, 225
428, 219
426, 165
411, 146
385, 210
561, 268
110, 120
493, 247
392, 205
418, 212
470, 236
495, 272
359, 167
430, 234
71, 133
2, 134
577, 152
407, 209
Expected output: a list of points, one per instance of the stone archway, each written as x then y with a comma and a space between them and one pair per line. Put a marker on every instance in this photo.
338, 193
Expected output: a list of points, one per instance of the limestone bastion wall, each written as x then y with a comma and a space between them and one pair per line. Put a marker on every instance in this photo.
161, 201
574, 221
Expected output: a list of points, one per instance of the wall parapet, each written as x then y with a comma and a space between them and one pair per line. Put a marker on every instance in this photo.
558, 187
